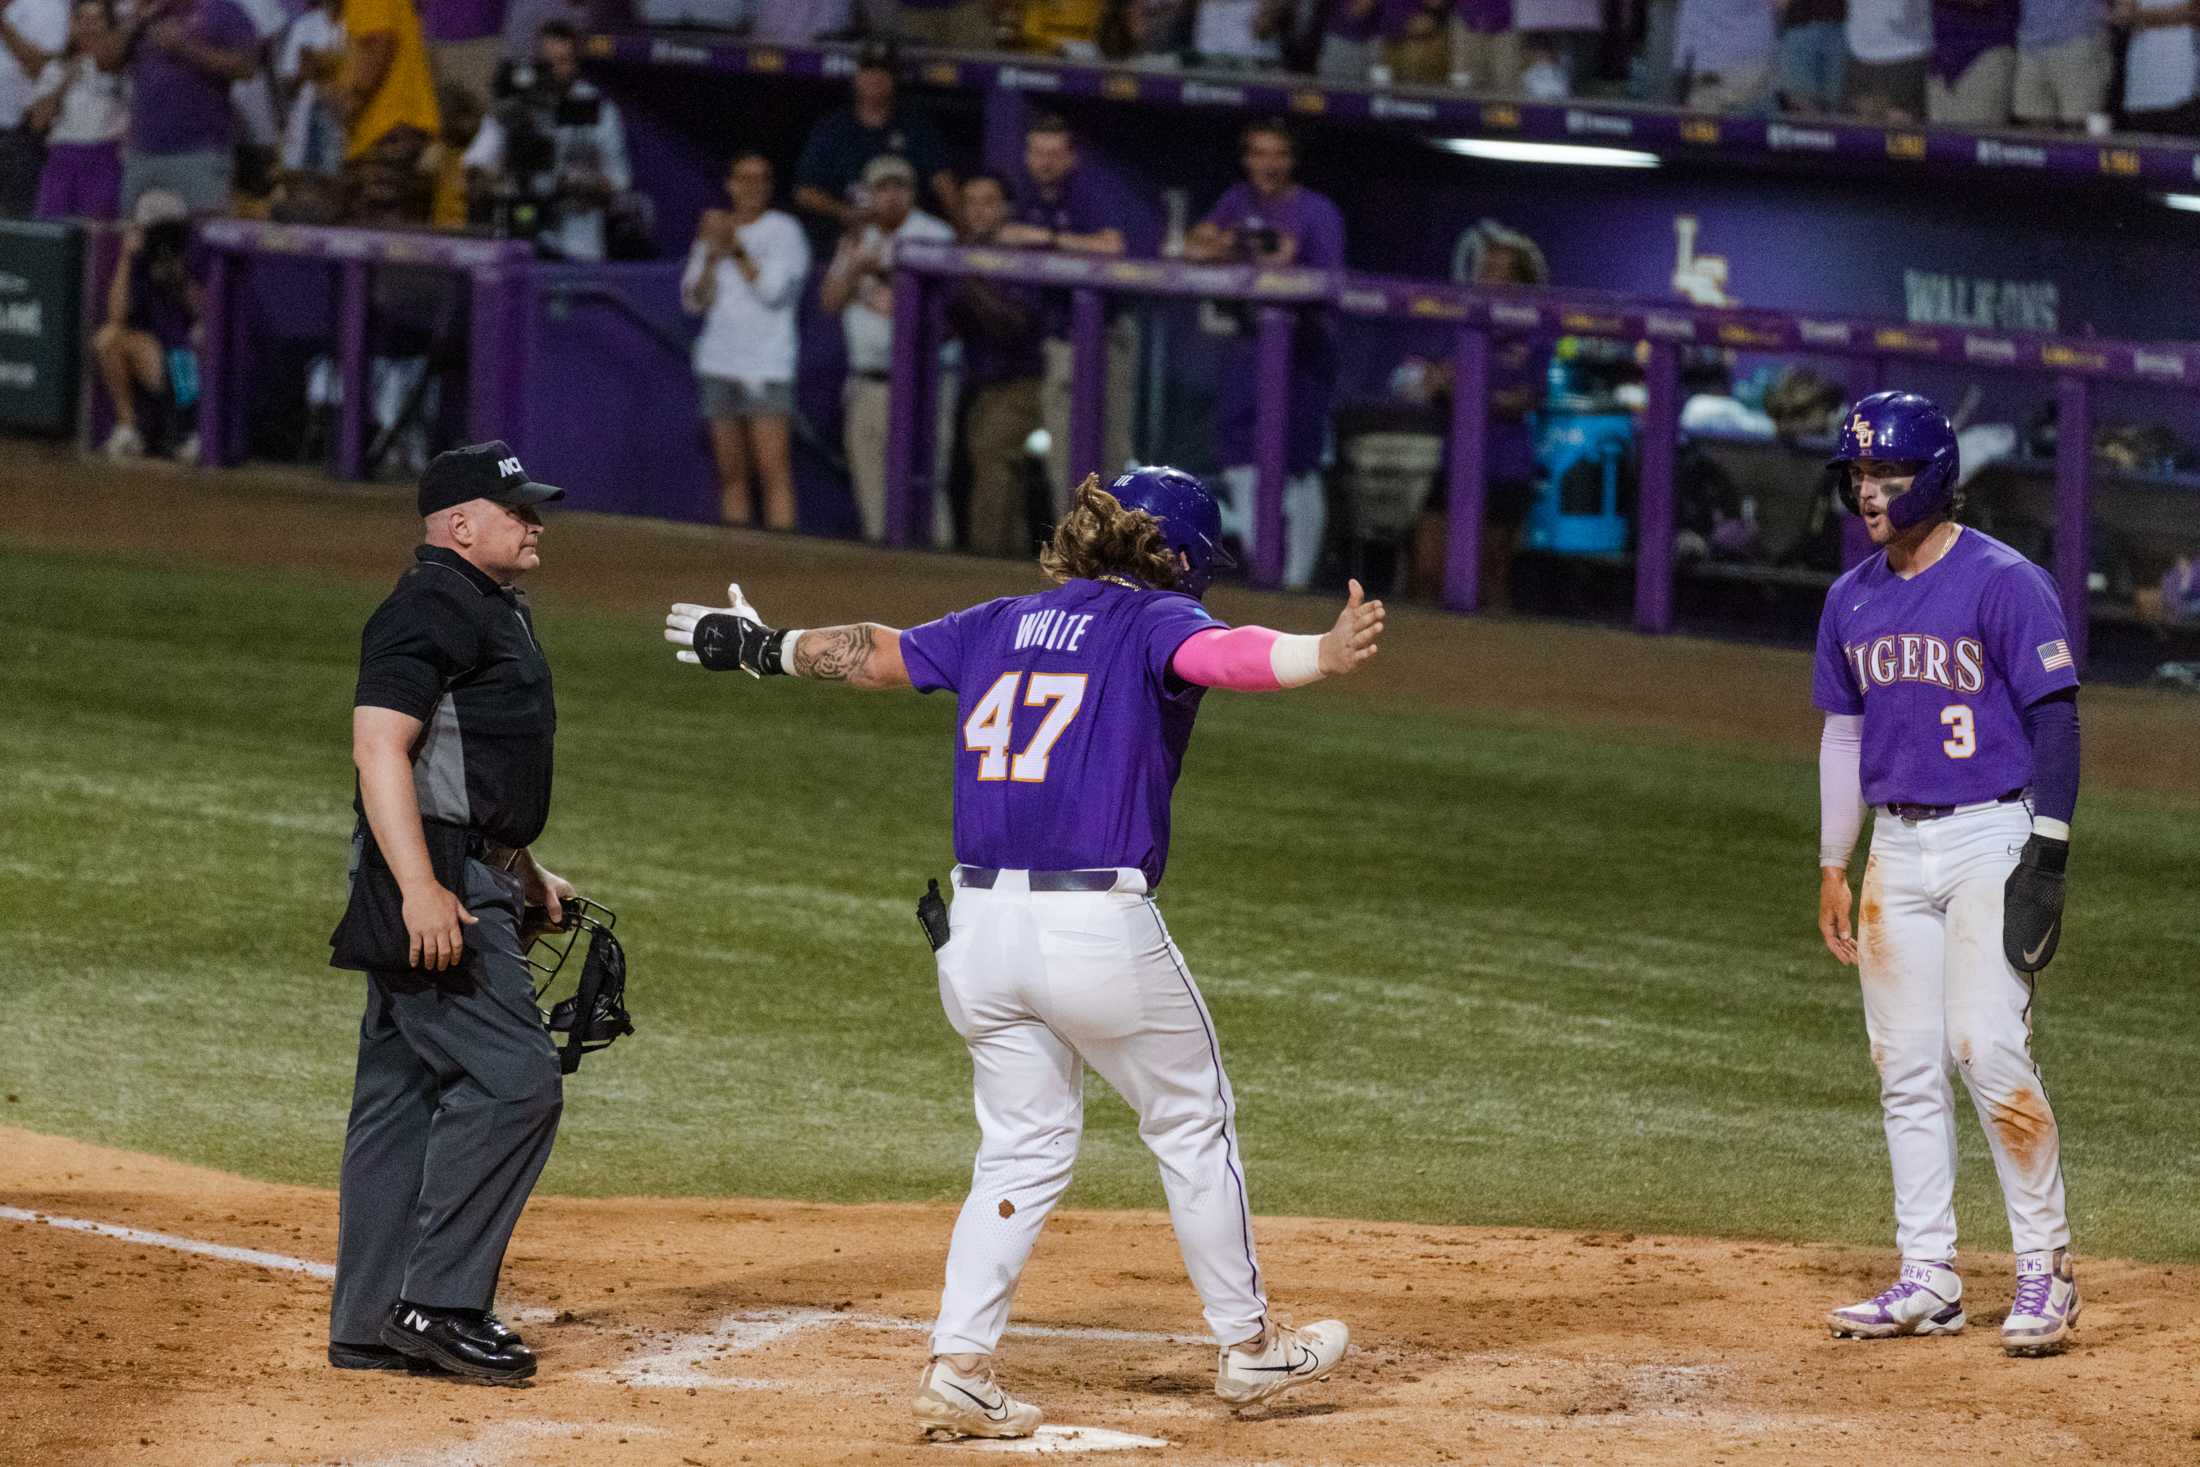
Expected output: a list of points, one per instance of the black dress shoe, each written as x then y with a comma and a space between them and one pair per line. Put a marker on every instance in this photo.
458, 1341
376, 1357
501, 1332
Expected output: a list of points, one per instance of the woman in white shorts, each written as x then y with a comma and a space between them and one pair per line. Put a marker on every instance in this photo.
744, 278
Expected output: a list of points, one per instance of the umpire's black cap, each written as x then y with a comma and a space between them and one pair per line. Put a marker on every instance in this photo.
480, 471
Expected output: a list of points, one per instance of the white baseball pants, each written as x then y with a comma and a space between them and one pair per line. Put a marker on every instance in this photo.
1938, 990
1039, 984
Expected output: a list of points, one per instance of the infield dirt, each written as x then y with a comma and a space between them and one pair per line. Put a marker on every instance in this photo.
679, 1332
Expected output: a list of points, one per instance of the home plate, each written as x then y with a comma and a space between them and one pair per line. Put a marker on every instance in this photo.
1054, 1440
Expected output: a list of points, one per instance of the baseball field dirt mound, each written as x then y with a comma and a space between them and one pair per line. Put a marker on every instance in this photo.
189, 1328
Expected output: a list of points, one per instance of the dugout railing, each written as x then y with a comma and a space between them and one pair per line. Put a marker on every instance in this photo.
1873, 352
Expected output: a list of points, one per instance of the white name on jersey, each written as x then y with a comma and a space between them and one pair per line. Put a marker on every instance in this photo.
1052, 631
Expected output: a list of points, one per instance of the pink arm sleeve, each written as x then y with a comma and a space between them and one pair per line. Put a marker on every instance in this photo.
1236, 658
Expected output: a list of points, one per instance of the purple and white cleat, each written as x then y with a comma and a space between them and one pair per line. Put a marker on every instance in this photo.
2046, 1307
1926, 1300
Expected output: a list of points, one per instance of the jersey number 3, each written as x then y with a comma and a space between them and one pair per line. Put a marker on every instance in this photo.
987, 730
1962, 740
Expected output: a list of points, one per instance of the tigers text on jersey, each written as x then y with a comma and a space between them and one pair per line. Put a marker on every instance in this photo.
1942, 666
1070, 729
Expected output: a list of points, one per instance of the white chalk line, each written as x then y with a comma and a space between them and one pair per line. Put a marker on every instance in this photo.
669, 1366
680, 1364
1052, 1441
259, 1258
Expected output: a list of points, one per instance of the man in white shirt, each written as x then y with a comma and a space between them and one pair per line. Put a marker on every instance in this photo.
2161, 66
32, 32
859, 286
744, 277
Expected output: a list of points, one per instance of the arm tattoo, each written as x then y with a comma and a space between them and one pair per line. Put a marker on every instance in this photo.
833, 654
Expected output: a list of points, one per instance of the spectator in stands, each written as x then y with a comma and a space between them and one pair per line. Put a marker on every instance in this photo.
386, 82
1974, 62
465, 42
1559, 43
1350, 32
998, 326
1416, 48
951, 25
1485, 49
1145, 32
148, 343
744, 278
555, 150
2161, 66
876, 124
182, 58
81, 111
2064, 62
32, 34
1243, 33
1056, 209
1270, 219
858, 286
1890, 52
444, 161
1068, 28
308, 62
1814, 55
1723, 50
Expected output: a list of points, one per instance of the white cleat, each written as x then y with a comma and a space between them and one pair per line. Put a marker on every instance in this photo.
124, 442
1291, 1357
2046, 1306
970, 1405
1926, 1300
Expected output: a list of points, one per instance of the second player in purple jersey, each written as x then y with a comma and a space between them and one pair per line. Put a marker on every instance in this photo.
1945, 672
1073, 706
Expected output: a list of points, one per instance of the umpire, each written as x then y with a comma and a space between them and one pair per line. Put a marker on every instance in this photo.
458, 1091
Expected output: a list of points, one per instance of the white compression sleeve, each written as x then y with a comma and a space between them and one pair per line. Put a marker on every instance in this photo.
1840, 787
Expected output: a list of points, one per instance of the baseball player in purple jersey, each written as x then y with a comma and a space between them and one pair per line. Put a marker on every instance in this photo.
1944, 671
1073, 709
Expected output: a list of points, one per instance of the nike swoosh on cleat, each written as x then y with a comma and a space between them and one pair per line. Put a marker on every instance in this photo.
992, 1412
2034, 955
1293, 1368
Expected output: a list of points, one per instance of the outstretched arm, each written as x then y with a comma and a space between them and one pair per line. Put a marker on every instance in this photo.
1256, 659
723, 638
1840, 821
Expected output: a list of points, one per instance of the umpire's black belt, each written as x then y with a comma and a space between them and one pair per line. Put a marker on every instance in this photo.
490, 853
985, 877
1915, 813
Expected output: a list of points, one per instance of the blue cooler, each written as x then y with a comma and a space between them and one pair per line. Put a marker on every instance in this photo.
1580, 459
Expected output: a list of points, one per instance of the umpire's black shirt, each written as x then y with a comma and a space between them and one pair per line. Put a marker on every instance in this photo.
457, 651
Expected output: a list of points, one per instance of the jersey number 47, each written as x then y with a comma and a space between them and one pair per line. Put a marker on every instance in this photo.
991, 724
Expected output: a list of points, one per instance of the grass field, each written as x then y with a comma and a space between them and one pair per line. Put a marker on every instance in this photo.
1464, 970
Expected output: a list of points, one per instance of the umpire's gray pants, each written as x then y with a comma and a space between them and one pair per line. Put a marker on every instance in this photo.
452, 1116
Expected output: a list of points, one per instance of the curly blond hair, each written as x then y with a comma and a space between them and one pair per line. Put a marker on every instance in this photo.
1099, 537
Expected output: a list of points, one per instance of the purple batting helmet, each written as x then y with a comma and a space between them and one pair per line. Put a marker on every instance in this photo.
1190, 519
1902, 427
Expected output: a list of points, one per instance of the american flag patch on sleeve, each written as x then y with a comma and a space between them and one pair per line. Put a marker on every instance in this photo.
2054, 655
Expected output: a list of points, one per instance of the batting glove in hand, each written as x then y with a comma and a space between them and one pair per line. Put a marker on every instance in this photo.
723, 638
2032, 904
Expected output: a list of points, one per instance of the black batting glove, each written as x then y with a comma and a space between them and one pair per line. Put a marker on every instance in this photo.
2032, 904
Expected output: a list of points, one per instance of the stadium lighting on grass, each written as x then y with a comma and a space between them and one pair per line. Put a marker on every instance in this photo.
1506, 150
2190, 203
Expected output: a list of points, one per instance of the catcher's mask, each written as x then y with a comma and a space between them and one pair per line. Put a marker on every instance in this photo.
601, 995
